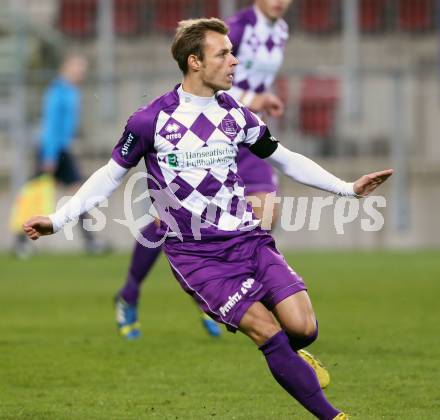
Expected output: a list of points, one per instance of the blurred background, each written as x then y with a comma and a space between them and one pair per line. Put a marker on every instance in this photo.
360, 81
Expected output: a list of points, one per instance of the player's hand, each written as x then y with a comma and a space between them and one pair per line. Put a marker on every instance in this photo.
368, 183
258, 102
38, 226
273, 105
267, 102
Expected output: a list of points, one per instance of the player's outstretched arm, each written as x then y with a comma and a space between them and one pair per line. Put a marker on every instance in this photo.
308, 172
96, 189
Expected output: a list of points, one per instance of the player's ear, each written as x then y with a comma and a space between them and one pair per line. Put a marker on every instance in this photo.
194, 62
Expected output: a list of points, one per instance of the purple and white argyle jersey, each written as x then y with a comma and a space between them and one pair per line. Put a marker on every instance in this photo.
190, 145
259, 46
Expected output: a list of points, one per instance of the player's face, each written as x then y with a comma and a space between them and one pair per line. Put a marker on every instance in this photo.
273, 9
218, 64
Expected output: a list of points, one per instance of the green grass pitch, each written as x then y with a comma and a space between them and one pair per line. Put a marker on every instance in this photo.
60, 357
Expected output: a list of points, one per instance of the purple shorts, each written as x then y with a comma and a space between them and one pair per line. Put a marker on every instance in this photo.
257, 174
226, 277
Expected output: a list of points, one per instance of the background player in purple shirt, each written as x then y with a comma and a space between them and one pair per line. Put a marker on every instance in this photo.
214, 245
258, 35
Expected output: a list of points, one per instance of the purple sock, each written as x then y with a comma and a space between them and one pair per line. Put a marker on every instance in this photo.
296, 376
142, 260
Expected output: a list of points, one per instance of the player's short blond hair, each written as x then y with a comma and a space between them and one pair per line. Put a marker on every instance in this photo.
190, 37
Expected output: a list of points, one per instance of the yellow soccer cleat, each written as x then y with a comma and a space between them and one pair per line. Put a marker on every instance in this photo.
341, 416
319, 368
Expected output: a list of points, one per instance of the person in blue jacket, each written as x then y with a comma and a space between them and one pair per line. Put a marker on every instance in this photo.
60, 120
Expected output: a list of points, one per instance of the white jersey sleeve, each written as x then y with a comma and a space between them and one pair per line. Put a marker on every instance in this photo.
97, 188
308, 172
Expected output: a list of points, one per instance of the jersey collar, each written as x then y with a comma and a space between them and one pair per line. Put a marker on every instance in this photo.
198, 101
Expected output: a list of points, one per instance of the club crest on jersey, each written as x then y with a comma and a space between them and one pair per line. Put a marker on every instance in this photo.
229, 127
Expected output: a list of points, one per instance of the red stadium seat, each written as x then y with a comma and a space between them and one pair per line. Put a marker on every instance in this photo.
211, 8
416, 15
77, 18
317, 106
318, 16
127, 17
169, 12
372, 15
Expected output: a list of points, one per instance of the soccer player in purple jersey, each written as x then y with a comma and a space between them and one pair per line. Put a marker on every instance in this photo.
215, 247
258, 35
